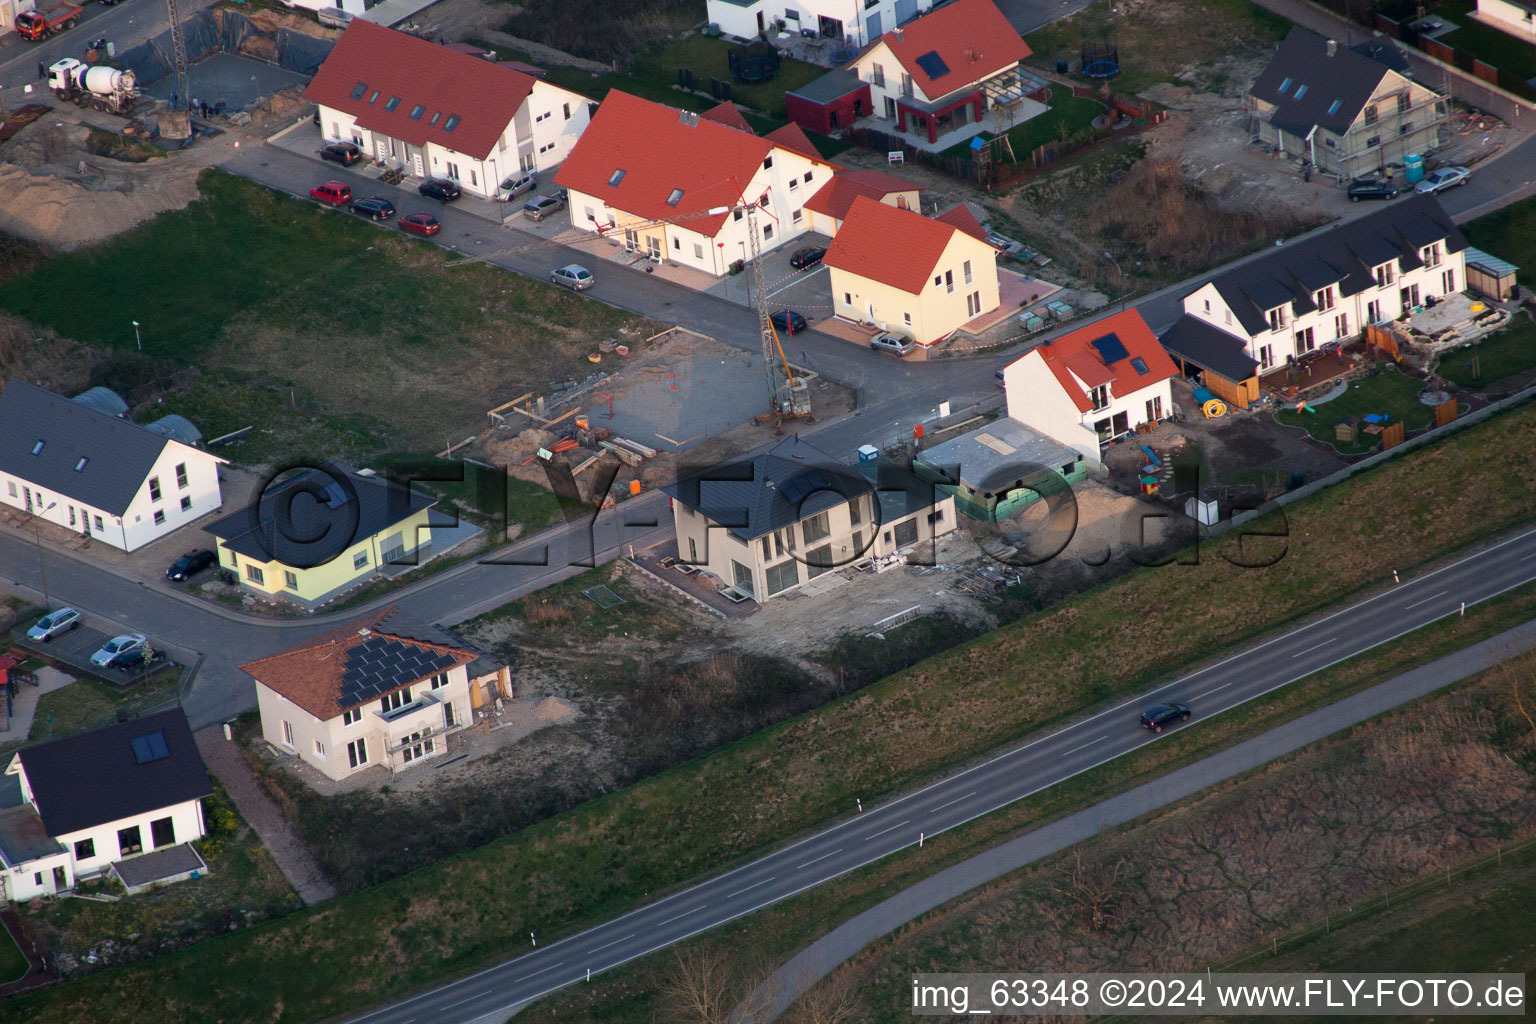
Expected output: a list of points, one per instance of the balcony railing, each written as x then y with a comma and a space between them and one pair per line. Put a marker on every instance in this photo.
423, 701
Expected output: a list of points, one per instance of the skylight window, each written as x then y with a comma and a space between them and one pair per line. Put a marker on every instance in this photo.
1285, 85
359, 89
452, 123
37, 449
675, 197
616, 177
1139, 364
80, 466
1301, 91
417, 111
394, 101
435, 117
374, 97
1333, 108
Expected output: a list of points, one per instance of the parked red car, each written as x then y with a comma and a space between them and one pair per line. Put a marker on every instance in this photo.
421, 224
332, 192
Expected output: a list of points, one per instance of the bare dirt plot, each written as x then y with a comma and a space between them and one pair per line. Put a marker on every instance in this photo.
1390, 802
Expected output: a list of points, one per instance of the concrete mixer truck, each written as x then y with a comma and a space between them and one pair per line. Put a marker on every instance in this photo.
110, 89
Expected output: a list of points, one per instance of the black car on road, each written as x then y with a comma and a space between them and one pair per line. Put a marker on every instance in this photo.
439, 188
189, 565
343, 153
1370, 188
807, 257
374, 207
788, 321
1159, 715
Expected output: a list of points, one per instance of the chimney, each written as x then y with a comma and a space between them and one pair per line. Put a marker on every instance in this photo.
1333, 47
898, 34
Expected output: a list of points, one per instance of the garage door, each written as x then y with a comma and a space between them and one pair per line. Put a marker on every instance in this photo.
906, 10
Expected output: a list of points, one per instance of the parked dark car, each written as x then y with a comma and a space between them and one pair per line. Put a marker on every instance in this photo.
807, 257
138, 658
421, 224
788, 321
374, 207
189, 565
1159, 715
1369, 188
343, 153
439, 188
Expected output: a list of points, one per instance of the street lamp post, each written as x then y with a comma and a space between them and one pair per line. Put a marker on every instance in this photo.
137, 340
1119, 277
37, 535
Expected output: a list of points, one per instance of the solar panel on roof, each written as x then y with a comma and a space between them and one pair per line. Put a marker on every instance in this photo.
1111, 349
335, 497
150, 748
802, 486
933, 65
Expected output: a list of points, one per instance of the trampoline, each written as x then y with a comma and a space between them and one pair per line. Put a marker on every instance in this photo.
1101, 60
755, 62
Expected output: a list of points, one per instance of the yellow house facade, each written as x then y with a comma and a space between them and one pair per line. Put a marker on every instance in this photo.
911, 275
323, 531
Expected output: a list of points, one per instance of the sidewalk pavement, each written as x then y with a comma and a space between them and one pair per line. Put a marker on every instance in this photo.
802, 971
235, 774
24, 705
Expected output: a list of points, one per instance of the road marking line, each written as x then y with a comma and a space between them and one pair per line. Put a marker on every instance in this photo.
1207, 693
1314, 647
679, 917
1527, 558
822, 857
885, 830
615, 942
461, 1002
535, 974
1426, 600
954, 801
754, 885
1080, 746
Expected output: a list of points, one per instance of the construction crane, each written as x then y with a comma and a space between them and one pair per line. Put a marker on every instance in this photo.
179, 54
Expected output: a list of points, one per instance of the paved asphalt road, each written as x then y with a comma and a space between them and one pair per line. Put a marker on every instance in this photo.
936, 808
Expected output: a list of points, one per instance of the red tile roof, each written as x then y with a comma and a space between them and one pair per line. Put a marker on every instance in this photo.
895, 247
381, 65
728, 114
971, 37
961, 217
835, 197
310, 674
658, 153
793, 138
1074, 353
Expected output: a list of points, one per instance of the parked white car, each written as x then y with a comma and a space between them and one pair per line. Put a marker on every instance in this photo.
515, 186
573, 276
1444, 178
116, 648
60, 620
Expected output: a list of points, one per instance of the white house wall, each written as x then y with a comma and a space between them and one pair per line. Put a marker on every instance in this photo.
330, 757
555, 134
1206, 303
861, 23
186, 822
137, 526
1037, 400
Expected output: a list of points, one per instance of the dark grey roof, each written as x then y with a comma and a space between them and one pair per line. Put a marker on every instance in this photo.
310, 518
23, 837
171, 862
753, 497
102, 400
118, 454
833, 85
1210, 348
1343, 256
97, 777
381, 663
1384, 51
1302, 64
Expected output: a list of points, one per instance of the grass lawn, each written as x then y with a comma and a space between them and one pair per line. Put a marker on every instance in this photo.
1162, 41
1509, 234
1394, 394
1485, 42
562, 616
12, 964
604, 856
86, 704
1501, 355
369, 330
1068, 115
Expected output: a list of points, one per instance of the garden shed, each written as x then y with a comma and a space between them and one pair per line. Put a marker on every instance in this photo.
1490, 276
830, 103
